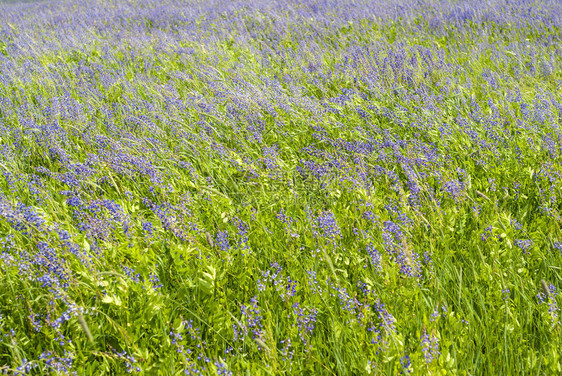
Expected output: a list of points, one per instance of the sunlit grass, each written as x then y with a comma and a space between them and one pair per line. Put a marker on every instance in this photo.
314, 189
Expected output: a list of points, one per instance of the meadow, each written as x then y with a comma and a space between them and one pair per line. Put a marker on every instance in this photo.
280, 187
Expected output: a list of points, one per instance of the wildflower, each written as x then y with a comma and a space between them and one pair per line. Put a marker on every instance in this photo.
430, 346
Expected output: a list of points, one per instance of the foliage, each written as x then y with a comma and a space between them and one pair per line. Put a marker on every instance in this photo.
280, 187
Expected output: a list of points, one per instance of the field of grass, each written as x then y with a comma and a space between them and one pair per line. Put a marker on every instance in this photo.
281, 187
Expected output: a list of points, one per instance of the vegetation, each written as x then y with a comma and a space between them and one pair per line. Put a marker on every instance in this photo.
280, 187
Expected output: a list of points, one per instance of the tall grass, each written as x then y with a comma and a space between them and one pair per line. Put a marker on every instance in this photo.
295, 187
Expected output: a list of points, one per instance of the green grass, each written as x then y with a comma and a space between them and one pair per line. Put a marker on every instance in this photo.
128, 146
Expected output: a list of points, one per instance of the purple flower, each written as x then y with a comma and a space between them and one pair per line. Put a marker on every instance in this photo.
376, 258
222, 240
326, 222
306, 322
524, 244
430, 346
